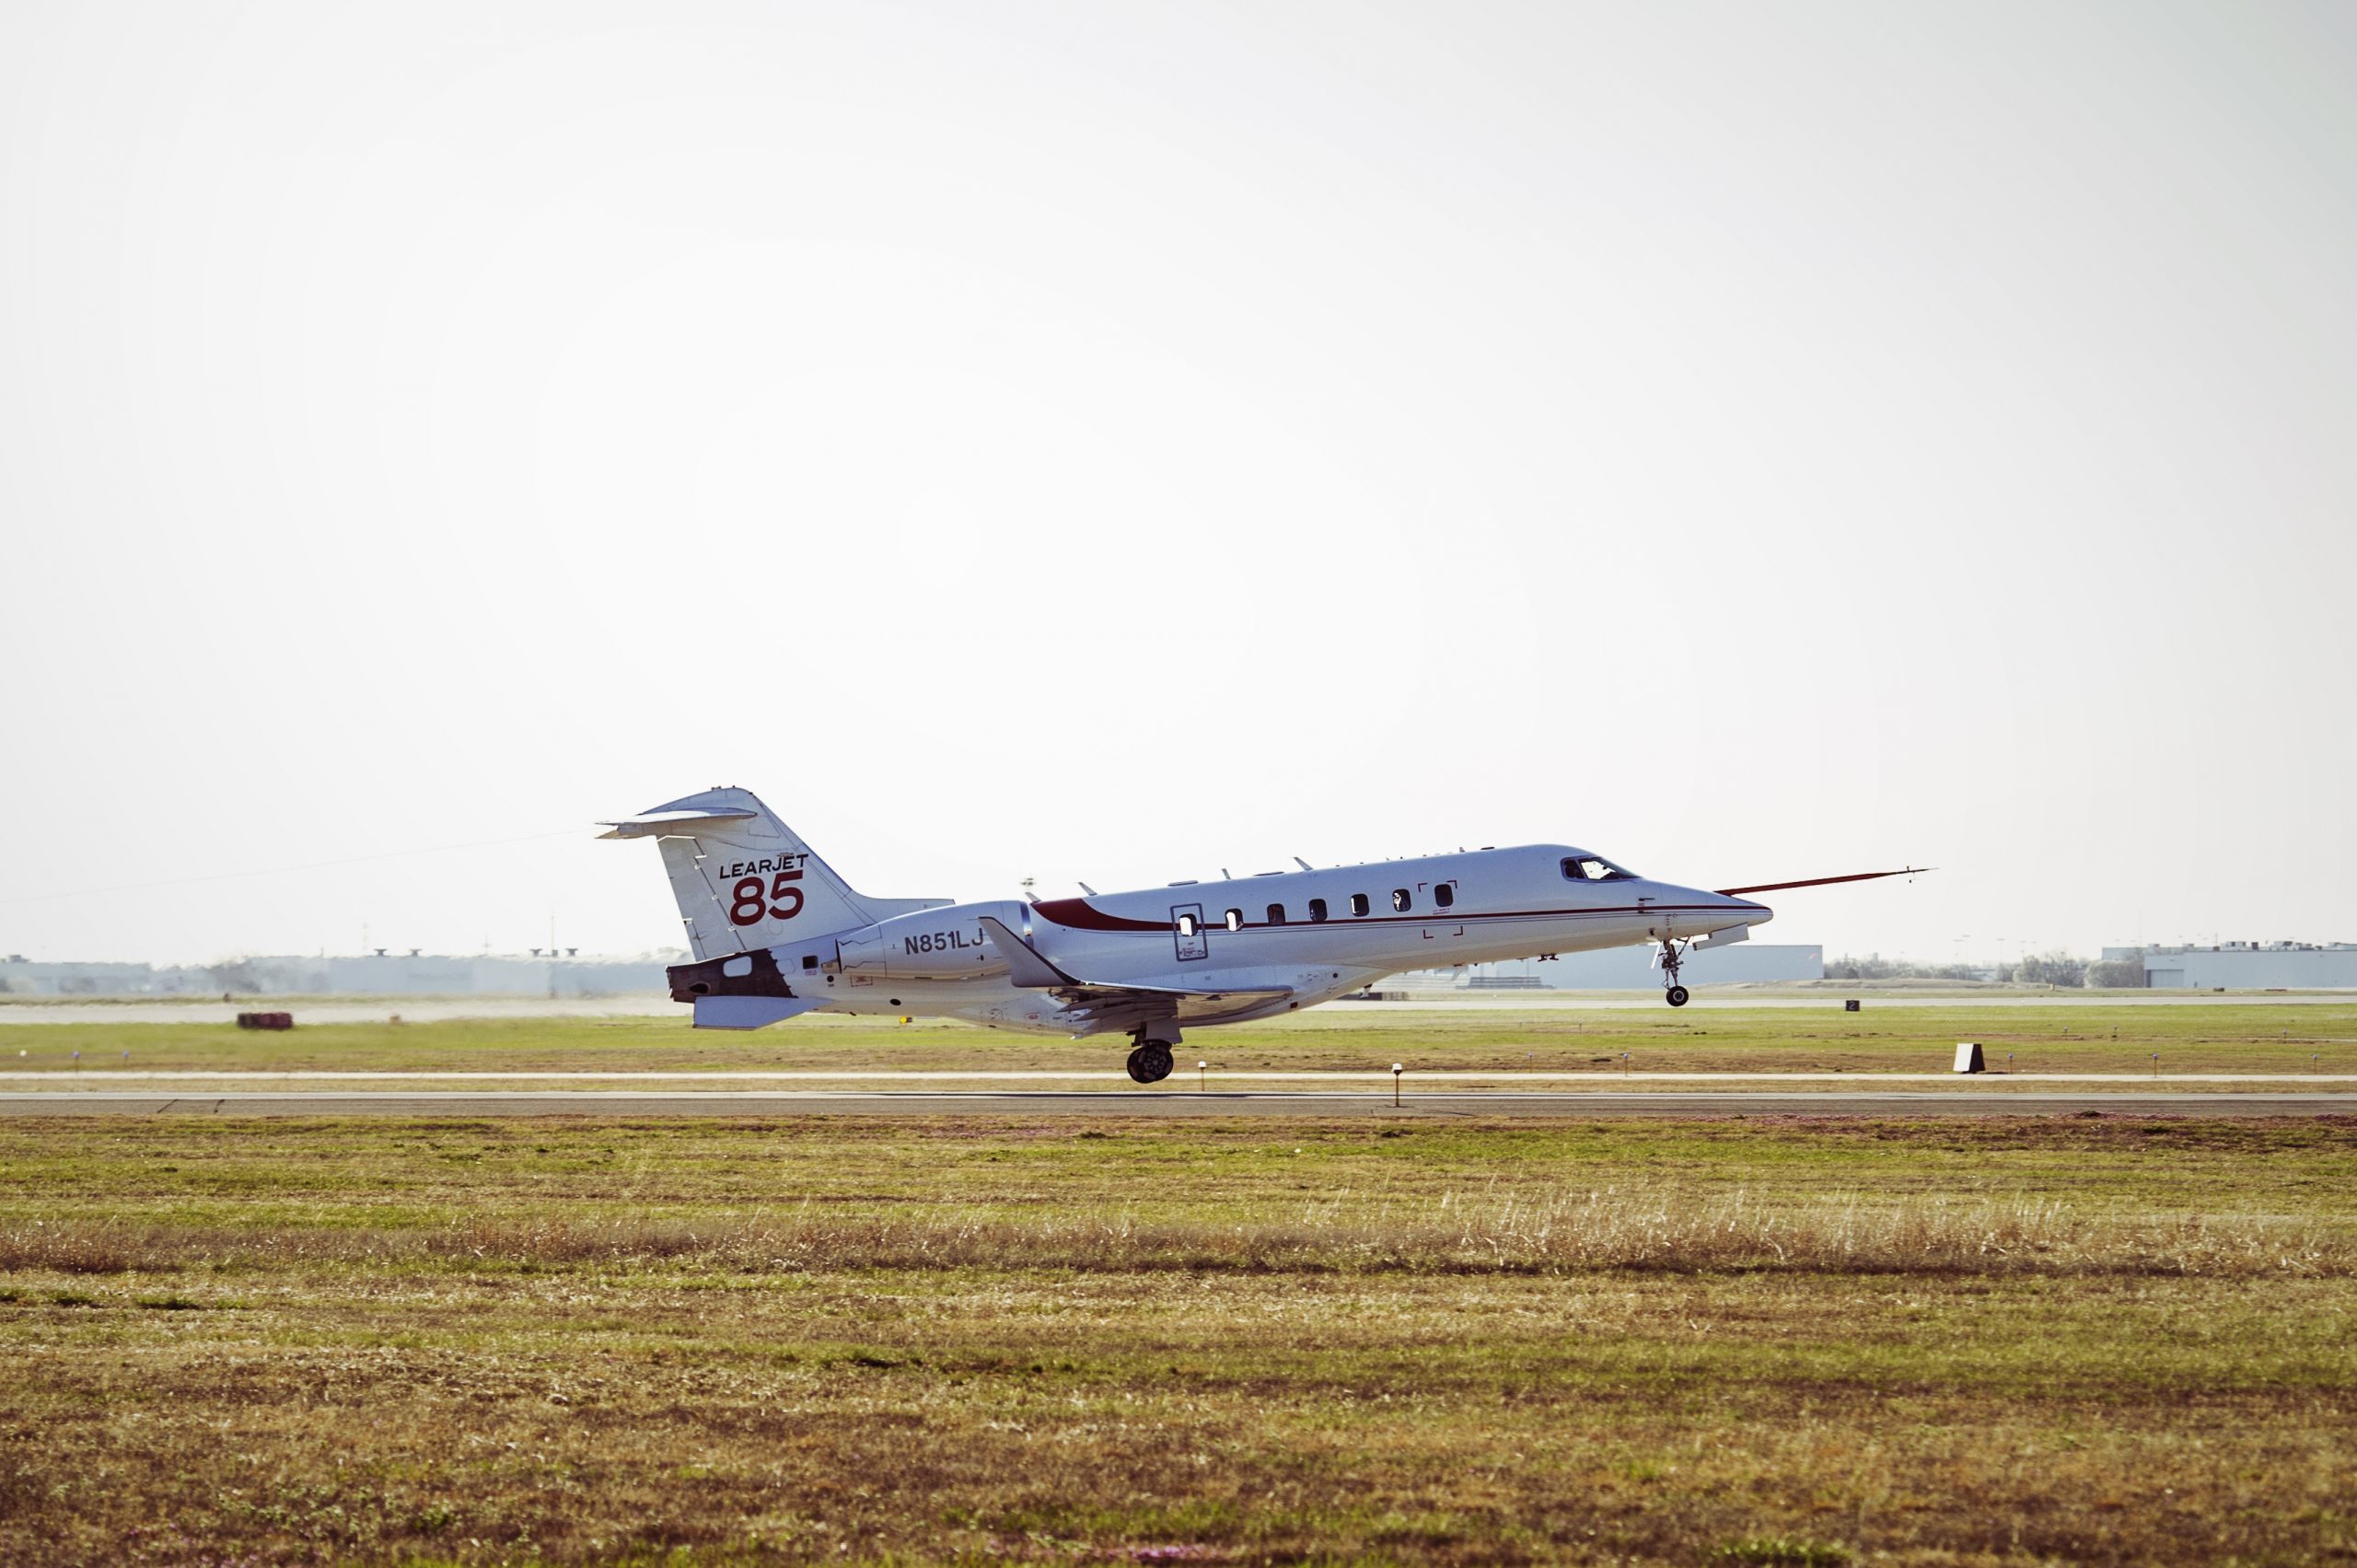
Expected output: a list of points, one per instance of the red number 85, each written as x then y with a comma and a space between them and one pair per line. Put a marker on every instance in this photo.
783, 903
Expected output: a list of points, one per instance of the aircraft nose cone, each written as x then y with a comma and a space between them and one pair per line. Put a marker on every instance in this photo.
1753, 914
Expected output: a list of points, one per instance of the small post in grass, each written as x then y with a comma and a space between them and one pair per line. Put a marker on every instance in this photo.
1624, 1064
2009, 1062
1397, 1068
2157, 1064
1201, 1068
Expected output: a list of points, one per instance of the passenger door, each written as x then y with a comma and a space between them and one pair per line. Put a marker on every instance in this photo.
1444, 921
1187, 928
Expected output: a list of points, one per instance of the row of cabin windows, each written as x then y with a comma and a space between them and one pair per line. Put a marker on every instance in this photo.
1443, 896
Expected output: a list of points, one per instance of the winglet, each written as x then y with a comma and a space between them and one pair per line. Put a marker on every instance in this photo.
1822, 881
1024, 966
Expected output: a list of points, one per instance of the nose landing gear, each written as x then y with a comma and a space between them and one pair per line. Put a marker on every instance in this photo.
1673, 953
1150, 1063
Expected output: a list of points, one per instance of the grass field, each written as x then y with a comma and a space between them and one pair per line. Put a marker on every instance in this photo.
2089, 1340
2076, 1037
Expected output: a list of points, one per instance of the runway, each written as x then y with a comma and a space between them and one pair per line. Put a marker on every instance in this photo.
1594, 1103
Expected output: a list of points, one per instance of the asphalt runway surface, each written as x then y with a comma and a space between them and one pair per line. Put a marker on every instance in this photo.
1161, 1102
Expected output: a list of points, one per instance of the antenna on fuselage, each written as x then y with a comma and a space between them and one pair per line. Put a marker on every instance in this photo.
1086, 888
1303, 864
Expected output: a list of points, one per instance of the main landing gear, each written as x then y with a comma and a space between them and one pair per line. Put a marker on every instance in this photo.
1150, 1063
1672, 954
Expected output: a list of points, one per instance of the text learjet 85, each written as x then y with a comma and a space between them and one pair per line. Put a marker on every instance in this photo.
777, 934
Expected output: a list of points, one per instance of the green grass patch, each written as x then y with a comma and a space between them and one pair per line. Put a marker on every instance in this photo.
2076, 1036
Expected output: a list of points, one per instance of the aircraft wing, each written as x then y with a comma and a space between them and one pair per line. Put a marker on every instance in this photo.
1127, 1006
1119, 1006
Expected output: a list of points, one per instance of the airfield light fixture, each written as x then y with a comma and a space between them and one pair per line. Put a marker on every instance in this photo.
1397, 1068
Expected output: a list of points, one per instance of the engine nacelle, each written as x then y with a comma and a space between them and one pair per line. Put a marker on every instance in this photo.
936, 944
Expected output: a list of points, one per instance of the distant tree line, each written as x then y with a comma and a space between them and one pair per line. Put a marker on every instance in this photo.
1873, 966
2057, 968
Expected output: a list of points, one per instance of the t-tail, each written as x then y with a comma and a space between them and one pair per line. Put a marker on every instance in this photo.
744, 881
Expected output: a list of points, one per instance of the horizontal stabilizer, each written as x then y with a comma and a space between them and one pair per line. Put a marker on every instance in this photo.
662, 824
750, 1012
745, 880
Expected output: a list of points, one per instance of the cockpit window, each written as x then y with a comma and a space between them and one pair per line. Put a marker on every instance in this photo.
1594, 868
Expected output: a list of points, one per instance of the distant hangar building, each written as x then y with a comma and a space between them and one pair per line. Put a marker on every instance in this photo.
1631, 968
2249, 965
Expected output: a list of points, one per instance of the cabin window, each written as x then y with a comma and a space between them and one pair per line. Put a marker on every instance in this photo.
810, 961
1445, 894
1317, 910
1593, 868
1235, 920
1186, 925
1400, 901
1276, 914
1358, 904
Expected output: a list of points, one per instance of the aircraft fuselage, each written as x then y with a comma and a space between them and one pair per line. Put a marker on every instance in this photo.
1278, 942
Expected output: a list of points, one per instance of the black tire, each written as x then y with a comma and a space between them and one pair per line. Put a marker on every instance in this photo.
1138, 1073
1677, 996
1154, 1059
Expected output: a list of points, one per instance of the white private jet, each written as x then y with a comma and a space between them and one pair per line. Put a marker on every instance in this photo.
777, 934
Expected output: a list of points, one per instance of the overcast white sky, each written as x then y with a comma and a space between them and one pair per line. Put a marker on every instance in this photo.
1121, 441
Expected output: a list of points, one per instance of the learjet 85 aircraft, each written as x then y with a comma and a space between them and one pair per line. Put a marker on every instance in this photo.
776, 934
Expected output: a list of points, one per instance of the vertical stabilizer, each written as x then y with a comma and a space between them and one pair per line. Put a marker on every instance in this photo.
745, 880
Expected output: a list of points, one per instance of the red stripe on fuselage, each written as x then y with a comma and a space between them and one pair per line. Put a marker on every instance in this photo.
1079, 914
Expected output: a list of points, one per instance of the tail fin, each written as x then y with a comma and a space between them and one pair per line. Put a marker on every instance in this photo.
745, 880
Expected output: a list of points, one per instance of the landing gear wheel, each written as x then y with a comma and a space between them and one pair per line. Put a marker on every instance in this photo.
1673, 954
1150, 1063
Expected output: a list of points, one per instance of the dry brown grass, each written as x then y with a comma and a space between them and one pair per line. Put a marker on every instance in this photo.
1686, 1343
1834, 1233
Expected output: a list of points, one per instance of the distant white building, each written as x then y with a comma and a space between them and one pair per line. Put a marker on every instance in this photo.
1631, 968
368, 975
20, 976
436, 974
2249, 965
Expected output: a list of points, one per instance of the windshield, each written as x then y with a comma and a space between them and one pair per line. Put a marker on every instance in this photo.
1594, 868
